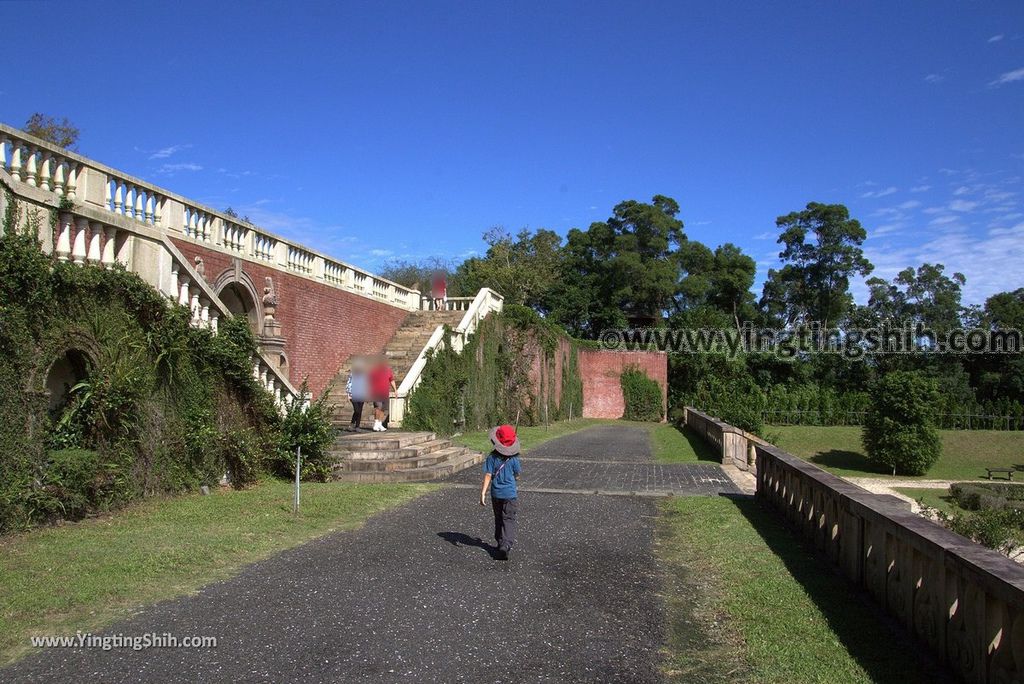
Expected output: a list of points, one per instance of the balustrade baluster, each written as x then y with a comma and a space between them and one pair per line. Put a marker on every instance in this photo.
118, 201
204, 313
63, 246
78, 246
110, 248
149, 207
193, 224
31, 173
59, 179
174, 280
195, 307
95, 233
71, 185
214, 320
183, 293
139, 213
45, 175
16, 160
158, 202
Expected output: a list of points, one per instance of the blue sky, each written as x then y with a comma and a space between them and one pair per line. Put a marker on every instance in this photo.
406, 129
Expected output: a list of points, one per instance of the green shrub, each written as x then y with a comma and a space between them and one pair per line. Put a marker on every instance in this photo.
310, 428
973, 496
899, 429
641, 396
991, 527
77, 481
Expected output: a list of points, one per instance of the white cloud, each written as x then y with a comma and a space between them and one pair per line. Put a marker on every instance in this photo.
962, 190
886, 228
182, 166
881, 193
1009, 77
910, 204
962, 205
996, 38
764, 236
381, 252
921, 188
166, 152
943, 220
934, 78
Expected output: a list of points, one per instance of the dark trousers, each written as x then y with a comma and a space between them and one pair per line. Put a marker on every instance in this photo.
505, 511
357, 413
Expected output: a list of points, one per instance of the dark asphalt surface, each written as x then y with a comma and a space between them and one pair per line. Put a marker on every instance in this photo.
416, 596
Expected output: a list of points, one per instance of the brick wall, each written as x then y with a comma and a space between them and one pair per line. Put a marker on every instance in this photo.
602, 391
323, 325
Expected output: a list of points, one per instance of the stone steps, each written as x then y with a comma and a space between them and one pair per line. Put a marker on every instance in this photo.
402, 350
398, 457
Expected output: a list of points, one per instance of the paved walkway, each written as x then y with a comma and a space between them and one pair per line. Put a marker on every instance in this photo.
416, 596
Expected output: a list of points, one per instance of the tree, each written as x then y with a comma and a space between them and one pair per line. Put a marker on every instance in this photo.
899, 429
61, 133
814, 283
418, 274
624, 268
523, 268
731, 280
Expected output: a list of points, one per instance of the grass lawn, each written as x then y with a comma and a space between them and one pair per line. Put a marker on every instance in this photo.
746, 602
938, 499
965, 453
83, 575
674, 445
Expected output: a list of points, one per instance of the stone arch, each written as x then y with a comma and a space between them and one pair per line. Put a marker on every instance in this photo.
67, 370
240, 295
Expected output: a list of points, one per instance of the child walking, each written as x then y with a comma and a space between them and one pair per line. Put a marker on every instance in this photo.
501, 470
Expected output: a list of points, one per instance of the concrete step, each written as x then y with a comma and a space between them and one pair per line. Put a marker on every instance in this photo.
411, 451
399, 464
381, 441
452, 464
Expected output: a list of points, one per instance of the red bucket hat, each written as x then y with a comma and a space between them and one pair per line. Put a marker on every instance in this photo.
505, 440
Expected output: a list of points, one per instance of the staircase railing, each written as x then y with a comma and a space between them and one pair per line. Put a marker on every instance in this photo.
86, 235
486, 302
39, 165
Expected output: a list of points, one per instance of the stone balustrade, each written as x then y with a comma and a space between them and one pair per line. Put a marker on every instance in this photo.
486, 302
88, 235
735, 446
963, 601
67, 175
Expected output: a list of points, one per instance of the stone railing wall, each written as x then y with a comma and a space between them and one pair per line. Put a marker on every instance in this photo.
963, 601
735, 446
486, 302
37, 164
88, 236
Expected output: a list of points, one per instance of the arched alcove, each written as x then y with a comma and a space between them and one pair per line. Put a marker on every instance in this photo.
65, 372
240, 303
236, 289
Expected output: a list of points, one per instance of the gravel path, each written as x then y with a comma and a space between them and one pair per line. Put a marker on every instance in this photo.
415, 595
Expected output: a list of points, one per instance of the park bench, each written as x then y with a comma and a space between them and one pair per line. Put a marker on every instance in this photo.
1008, 471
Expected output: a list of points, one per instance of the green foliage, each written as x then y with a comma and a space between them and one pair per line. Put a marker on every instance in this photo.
976, 496
992, 527
309, 428
899, 429
155, 406
489, 382
814, 283
641, 396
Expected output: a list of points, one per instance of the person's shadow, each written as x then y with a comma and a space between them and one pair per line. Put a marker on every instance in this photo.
460, 539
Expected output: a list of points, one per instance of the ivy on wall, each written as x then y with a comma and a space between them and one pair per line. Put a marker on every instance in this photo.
491, 381
110, 394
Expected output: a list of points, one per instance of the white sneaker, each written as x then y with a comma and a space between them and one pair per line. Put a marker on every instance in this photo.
377, 427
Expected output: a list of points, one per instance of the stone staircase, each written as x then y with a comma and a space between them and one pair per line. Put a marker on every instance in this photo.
398, 457
401, 351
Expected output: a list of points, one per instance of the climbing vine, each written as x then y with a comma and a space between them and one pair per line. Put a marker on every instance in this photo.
509, 370
110, 394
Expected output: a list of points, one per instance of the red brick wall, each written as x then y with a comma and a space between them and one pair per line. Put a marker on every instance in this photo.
322, 325
602, 391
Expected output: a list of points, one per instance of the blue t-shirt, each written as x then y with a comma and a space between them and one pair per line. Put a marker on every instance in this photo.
503, 483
